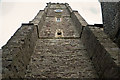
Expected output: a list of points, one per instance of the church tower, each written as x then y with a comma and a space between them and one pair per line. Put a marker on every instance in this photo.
57, 43
59, 51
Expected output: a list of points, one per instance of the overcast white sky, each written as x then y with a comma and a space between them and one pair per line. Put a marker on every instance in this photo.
15, 12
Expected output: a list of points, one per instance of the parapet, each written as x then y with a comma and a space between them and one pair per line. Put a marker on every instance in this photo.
16, 54
102, 51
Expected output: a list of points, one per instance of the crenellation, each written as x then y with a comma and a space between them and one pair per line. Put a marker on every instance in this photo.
57, 6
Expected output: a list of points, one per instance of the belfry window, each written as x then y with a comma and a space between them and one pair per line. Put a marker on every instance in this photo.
58, 10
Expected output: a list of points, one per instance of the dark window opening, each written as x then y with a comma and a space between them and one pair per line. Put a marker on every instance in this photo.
58, 19
59, 33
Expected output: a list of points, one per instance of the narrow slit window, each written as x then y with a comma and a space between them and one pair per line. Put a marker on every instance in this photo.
58, 19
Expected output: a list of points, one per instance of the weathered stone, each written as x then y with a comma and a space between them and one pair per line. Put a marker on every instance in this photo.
101, 51
60, 45
70, 64
111, 20
16, 54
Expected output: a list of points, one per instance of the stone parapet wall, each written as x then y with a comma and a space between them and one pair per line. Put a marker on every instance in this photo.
41, 23
78, 21
60, 58
37, 18
17, 52
69, 8
102, 51
40, 19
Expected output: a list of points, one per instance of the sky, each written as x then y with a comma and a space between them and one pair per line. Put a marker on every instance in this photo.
15, 12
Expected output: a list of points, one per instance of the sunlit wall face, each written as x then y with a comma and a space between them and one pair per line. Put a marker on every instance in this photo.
15, 12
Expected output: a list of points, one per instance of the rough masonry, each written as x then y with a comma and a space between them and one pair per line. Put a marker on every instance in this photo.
111, 20
59, 43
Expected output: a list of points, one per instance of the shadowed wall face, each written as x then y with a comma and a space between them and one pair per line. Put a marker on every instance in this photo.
17, 52
111, 13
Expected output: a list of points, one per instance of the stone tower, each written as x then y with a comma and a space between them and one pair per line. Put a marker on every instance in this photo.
58, 43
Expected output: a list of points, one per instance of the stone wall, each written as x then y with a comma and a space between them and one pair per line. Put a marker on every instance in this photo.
102, 51
39, 20
111, 20
78, 21
17, 52
51, 26
66, 26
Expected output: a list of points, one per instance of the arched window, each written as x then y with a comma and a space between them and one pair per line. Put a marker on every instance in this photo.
59, 33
